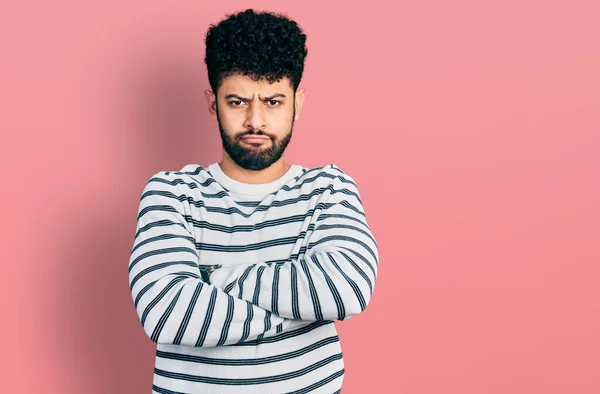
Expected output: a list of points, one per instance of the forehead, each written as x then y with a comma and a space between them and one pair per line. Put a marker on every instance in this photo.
246, 86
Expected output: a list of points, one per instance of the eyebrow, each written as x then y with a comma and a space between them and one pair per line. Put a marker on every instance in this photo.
247, 99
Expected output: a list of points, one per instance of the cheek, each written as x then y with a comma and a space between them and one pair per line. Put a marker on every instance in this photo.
282, 120
231, 123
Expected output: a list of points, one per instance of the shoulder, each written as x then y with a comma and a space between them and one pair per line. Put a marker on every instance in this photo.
191, 176
330, 172
332, 181
339, 177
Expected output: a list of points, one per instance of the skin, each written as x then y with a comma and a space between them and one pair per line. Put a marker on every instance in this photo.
246, 106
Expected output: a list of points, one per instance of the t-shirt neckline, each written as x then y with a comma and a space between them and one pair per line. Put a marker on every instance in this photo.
252, 188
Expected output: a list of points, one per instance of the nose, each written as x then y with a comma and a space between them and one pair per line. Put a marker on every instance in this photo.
255, 118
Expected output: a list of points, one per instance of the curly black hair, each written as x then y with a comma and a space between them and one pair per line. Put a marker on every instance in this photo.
259, 45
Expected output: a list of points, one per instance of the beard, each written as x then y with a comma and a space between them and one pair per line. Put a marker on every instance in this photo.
254, 157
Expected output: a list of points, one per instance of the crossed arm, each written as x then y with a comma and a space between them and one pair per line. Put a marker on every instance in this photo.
174, 304
333, 280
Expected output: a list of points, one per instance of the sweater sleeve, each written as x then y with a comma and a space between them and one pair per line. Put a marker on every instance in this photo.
333, 280
173, 303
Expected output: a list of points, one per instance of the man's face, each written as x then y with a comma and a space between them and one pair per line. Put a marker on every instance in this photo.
255, 119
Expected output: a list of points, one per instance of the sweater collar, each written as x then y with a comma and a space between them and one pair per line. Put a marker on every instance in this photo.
253, 188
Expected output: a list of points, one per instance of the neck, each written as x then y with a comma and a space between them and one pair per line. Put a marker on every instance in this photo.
240, 174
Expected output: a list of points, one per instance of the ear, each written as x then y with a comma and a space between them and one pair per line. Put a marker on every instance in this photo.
300, 95
211, 101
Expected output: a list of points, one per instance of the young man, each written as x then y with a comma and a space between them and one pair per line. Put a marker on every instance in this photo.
239, 270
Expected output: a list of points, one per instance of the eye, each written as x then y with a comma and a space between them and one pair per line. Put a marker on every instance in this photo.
274, 102
236, 103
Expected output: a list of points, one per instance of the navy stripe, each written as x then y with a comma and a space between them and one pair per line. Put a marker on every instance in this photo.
188, 314
360, 271
275, 290
295, 305
343, 238
163, 319
357, 292
164, 391
322, 227
313, 291
155, 252
320, 383
352, 207
249, 361
227, 324
249, 381
230, 286
259, 273
363, 258
158, 223
250, 316
141, 293
149, 285
161, 237
160, 295
341, 310
275, 204
202, 224
324, 216
267, 325
157, 267
267, 321
207, 317
248, 247
150, 208
288, 334
242, 279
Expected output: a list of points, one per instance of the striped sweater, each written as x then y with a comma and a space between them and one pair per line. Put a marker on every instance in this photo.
294, 255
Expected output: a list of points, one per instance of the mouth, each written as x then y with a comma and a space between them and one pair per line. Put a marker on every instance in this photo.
255, 139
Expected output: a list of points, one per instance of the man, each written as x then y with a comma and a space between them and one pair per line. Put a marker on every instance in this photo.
239, 270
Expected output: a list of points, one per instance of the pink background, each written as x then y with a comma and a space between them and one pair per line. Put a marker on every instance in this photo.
471, 127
